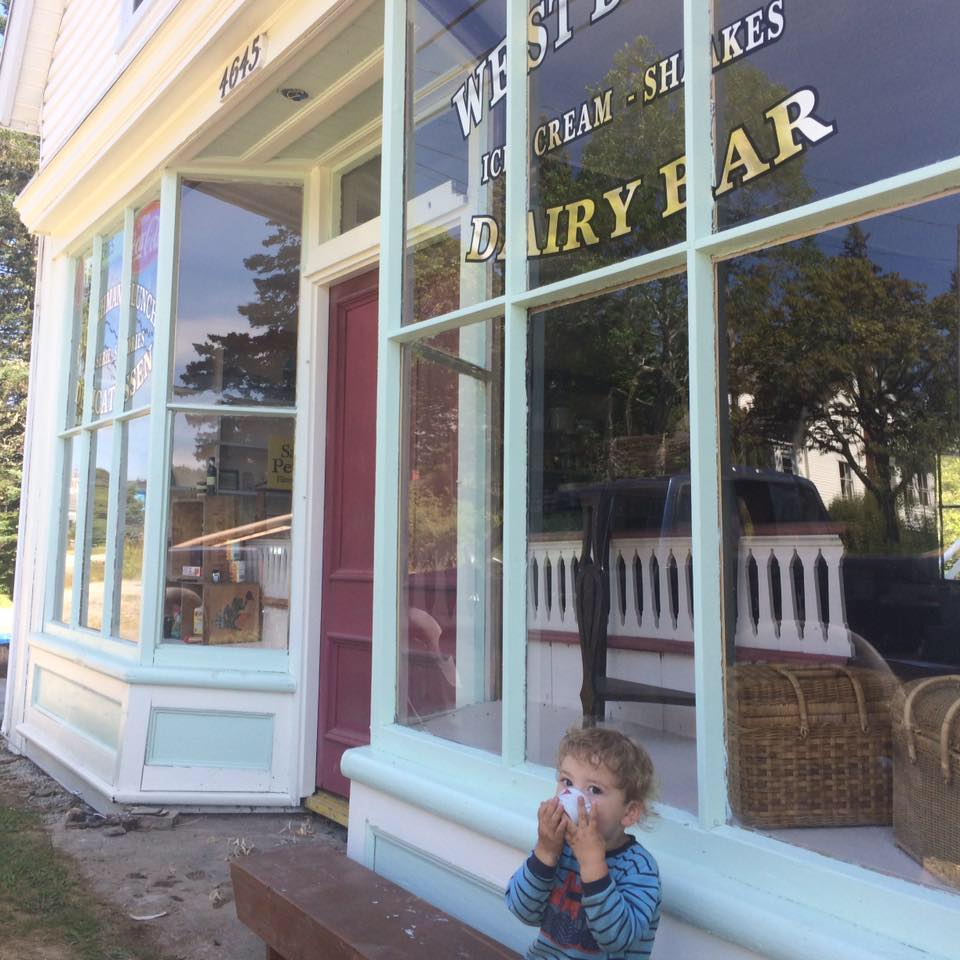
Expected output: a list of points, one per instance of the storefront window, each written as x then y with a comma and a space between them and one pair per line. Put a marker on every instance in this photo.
450, 589
135, 456
606, 145
81, 315
798, 116
609, 595
360, 194
228, 540
108, 328
238, 293
455, 155
68, 532
95, 546
843, 349
143, 307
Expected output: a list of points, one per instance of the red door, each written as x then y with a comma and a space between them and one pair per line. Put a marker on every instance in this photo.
346, 620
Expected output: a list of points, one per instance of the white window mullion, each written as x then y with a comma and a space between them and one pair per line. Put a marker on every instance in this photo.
389, 400
116, 507
704, 426
57, 540
155, 510
514, 707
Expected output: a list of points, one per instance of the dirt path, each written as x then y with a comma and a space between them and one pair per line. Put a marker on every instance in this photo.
178, 877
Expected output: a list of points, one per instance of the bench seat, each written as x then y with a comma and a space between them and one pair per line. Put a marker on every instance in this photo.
311, 902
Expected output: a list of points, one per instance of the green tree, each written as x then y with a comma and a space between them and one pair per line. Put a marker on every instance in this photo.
18, 161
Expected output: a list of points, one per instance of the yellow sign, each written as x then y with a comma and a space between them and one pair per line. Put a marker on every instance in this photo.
279, 463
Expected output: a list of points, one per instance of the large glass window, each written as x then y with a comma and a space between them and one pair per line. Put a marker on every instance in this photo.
143, 307
454, 174
227, 566
450, 590
844, 348
609, 597
798, 115
606, 133
135, 461
238, 293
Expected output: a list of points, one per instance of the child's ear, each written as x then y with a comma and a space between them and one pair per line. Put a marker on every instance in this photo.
633, 813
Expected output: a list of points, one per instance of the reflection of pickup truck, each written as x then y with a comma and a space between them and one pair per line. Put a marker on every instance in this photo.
899, 604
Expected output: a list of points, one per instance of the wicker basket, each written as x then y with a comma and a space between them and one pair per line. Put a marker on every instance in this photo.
926, 773
809, 746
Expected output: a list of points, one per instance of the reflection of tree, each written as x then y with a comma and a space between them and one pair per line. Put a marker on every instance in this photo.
258, 364
838, 355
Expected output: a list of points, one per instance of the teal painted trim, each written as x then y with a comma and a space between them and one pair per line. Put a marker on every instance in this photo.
648, 266
515, 401
389, 402
155, 508
915, 186
463, 895
221, 658
454, 320
705, 453
129, 671
86, 711
221, 410
723, 865
112, 569
226, 740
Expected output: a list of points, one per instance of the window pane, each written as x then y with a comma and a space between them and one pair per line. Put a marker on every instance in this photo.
108, 328
610, 624
455, 183
239, 290
95, 549
228, 542
843, 350
136, 449
798, 115
360, 194
81, 318
68, 530
143, 307
606, 144
450, 589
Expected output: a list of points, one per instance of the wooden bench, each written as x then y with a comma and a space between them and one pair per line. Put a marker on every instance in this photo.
311, 902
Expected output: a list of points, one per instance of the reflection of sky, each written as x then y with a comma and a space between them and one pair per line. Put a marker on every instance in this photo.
138, 450
920, 243
216, 237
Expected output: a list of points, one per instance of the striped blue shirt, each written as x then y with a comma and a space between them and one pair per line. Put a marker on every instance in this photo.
615, 918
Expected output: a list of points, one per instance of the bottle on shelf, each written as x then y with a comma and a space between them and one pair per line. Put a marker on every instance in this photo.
211, 475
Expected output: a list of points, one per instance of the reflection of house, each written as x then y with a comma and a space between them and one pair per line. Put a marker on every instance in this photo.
276, 536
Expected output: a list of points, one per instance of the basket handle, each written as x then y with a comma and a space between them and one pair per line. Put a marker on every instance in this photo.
922, 687
792, 675
945, 739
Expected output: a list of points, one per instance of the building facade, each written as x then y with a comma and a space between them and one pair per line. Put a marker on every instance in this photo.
370, 334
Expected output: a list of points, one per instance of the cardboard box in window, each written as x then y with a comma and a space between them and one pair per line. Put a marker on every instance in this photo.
809, 746
231, 612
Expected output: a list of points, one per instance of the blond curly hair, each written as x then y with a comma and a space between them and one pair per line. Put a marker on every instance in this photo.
628, 761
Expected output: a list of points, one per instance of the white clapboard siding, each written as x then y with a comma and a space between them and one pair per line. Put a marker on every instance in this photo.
84, 66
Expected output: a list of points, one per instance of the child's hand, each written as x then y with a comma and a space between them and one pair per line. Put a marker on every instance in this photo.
550, 831
587, 844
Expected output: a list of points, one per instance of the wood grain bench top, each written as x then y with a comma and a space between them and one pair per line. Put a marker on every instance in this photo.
311, 902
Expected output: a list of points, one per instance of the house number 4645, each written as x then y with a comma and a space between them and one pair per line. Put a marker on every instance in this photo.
242, 65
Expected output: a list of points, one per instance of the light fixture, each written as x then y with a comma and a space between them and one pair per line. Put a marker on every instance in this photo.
296, 94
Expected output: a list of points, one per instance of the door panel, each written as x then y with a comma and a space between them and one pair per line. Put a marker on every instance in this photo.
346, 620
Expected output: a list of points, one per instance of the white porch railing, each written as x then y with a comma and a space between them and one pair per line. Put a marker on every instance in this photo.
651, 591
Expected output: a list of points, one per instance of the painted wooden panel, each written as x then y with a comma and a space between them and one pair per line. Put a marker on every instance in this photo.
220, 739
86, 711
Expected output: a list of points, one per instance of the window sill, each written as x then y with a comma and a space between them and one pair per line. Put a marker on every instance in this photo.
743, 886
264, 676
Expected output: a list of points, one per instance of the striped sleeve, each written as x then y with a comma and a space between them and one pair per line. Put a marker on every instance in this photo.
529, 889
623, 910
